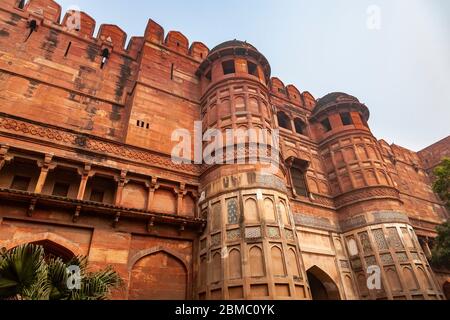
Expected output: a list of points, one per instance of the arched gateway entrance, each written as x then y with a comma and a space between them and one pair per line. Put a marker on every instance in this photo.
322, 286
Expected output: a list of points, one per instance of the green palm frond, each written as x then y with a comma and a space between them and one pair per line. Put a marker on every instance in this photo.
57, 279
97, 285
20, 269
25, 274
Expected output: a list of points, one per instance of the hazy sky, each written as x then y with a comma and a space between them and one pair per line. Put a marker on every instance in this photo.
401, 71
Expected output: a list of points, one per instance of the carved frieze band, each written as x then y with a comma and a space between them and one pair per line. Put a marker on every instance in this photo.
366, 194
364, 220
352, 223
91, 144
322, 200
315, 222
244, 180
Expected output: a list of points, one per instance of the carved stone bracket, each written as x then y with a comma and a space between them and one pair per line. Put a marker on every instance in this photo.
121, 182
85, 174
152, 186
4, 156
76, 215
116, 219
31, 207
150, 224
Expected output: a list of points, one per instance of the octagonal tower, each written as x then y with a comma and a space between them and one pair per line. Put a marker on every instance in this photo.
249, 249
373, 220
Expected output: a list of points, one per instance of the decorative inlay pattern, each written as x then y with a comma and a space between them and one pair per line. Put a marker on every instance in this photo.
271, 181
253, 233
364, 238
394, 239
415, 255
289, 235
316, 222
380, 239
345, 264
368, 193
233, 212
390, 216
386, 258
353, 223
371, 261
273, 232
203, 244
402, 257
356, 264
216, 240
233, 235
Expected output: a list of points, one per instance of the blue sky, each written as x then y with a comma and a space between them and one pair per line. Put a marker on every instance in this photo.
401, 71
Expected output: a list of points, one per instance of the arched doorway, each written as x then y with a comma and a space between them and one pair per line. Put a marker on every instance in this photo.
54, 250
158, 276
322, 286
446, 290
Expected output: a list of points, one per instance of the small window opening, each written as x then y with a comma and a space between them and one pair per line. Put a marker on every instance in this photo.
178, 44
61, 189
252, 68
21, 4
284, 121
298, 174
171, 71
97, 195
142, 124
68, 48
326, 125
20, 183
228, 67
300, 126
105, 57
346, 119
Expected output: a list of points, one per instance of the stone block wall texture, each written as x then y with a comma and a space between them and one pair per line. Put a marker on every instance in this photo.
86, 123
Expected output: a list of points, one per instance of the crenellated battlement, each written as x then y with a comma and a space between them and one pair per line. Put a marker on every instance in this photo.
48, 12
81, 25
291, 94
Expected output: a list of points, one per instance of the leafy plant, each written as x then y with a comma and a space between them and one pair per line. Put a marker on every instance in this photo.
442, 184
441, 250
25, 274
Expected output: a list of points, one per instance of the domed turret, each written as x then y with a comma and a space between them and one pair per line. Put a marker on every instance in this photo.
241, 52
250, 227
337, 112
233, 44
340, 101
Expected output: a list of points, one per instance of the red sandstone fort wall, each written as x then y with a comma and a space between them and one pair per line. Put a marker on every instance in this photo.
66, 114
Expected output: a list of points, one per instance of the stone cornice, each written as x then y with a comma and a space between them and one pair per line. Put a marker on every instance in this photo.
107, 210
